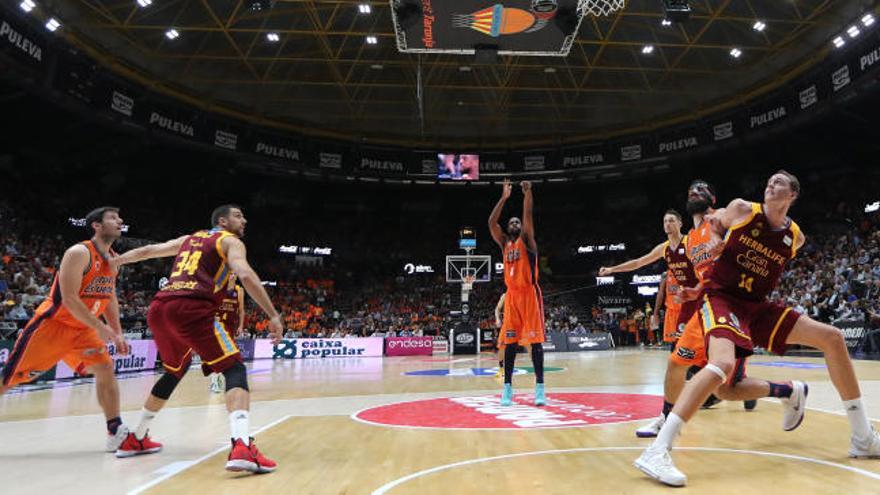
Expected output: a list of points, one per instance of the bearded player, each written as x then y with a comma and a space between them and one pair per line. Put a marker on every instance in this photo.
735, 316
523, 303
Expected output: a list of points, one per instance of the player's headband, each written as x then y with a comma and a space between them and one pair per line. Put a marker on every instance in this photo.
702, 183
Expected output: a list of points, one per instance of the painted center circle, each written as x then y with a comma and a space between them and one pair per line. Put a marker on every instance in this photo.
484, 412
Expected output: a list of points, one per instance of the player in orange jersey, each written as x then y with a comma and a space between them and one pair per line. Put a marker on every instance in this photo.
523, 303
183, 319
80, 313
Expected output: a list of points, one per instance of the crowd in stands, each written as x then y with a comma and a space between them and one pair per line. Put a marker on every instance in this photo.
360, 290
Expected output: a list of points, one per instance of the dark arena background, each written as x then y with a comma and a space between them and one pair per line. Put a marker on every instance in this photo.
366, 145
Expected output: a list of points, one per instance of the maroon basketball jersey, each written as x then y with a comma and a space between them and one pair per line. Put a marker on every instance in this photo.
680, 270
228, 311
753, 258
200, 270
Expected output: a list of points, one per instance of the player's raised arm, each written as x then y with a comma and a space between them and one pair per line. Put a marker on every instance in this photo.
628, 266
735, 212
150, 251
236, 257
495, 216
528, 222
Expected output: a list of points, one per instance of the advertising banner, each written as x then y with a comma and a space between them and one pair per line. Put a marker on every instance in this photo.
464, 341
854, 332
328, 348
409, 346
591, 342
556, 342
247, 347
142, 357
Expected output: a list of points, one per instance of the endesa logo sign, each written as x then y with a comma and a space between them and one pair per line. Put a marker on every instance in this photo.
409, 346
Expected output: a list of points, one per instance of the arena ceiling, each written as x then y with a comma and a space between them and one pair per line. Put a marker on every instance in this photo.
322, 78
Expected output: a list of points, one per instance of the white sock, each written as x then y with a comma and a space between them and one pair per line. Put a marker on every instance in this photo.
670, 430
858, 419
146, 418
238, 424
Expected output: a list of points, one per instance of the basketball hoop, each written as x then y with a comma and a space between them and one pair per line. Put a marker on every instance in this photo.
601, 7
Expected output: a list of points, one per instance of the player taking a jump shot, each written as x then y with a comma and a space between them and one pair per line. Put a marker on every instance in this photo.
523, 303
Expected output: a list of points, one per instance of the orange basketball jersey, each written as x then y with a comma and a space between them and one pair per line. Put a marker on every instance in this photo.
97, 287
698, 249
520, 266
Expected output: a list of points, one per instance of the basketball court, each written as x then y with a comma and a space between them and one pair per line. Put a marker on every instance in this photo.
363, 426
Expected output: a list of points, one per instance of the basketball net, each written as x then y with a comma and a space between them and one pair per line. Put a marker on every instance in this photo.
601, 7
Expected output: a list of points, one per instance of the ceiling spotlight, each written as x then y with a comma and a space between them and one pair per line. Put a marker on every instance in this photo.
258, 5
371, 40
273, 37
364, 8
853, 31
839, 42
759, 26
647, 49
665, 22
145, 3
172, 34
868, 20
27, 5
52, 24
735, 53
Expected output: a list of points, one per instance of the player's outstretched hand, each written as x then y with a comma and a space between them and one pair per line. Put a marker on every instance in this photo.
122, 347
687, 294
276, 329
506, 189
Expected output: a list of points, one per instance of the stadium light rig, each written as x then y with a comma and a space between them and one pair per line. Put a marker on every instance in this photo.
677, 10
27, 5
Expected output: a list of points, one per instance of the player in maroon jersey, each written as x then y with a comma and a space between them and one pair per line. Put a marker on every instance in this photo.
182, 317
759, 239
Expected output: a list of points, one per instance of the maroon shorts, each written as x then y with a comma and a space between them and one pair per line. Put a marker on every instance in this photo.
182, 326
747, 323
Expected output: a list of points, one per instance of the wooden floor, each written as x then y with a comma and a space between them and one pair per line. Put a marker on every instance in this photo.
306, 416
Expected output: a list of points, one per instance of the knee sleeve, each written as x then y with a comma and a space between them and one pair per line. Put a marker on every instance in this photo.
165, 386
236, 377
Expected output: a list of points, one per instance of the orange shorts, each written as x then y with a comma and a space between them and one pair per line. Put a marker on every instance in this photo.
523, 317
670, 324
691, 346
44, 342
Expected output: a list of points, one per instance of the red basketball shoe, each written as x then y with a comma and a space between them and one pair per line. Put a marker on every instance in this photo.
131, 446
247, 458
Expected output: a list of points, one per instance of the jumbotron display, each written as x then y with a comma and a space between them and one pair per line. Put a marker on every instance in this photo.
451, 166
